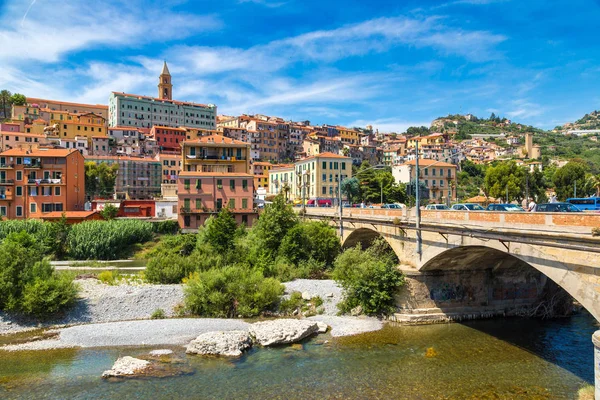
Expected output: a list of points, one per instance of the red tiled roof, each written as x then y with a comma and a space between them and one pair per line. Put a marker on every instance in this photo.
39, 152
428, 162
208, 174
216, 139
161, 100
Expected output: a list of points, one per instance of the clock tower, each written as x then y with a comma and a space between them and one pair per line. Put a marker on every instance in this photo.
165, 88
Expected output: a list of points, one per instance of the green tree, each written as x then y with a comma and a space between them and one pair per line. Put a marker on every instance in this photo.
567, 177
18, 99
505, 177
351, 188
220, 231
273, 224
5, 102
100, 179
109, 212
311, 240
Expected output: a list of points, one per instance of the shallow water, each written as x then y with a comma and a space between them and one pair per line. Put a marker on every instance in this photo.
495, 359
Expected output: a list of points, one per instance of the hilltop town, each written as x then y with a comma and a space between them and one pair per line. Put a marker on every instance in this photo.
160, 157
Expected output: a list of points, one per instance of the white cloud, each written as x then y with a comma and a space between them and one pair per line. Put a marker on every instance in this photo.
524, 109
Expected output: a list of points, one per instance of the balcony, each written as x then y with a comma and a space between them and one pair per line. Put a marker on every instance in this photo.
7, 181
185, 210
214, 158
7, 166
6, 196
31, 181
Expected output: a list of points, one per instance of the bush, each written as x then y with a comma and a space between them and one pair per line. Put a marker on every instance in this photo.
41, 231
169, 268
27, 282
109, 277
170, 226
288, 306
106, 240
316, 241
596, 232
45, 296
369, 279
109, 212
159, 313
182, 245
231, 292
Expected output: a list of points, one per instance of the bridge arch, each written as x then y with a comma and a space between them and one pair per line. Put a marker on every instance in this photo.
366, 236
493, 255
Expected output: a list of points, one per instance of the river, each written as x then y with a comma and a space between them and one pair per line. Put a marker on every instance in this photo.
487, 359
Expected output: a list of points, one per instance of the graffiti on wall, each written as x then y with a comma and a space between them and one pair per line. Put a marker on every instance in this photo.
518, 291
451, 292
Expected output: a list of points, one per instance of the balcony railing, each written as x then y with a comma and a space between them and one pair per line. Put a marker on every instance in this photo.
33, 165
6, 196
44, 181
186, 210
7, 181
6, 166
216, 158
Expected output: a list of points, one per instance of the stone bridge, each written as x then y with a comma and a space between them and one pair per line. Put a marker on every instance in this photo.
475, 263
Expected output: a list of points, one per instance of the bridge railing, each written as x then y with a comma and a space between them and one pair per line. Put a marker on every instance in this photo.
569, 222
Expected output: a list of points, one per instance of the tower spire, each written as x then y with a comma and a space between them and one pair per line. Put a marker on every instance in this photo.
165, 88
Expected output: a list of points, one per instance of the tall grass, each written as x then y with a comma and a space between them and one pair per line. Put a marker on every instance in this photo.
106, 240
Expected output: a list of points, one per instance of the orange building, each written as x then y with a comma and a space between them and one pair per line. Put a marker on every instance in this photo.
215, 173
36, 182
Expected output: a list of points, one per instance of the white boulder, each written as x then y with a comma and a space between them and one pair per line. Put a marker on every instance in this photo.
282, 331
221, 343
160, 353
322, 327
127, 366
306, 296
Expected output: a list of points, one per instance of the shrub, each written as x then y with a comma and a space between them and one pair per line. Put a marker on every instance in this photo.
288, 306
311, 240
169, 268
369, 279
109, 212
230, 292
105, 240
41, 231
170, 226
45, 296
220, 231
109, 277
159, 313
596, 232
27, 282
183, 245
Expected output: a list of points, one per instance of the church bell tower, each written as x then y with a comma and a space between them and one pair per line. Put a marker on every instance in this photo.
165, 88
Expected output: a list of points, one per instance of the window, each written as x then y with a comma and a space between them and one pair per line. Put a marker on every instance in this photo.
232, 184
441, 182
219, 184
186, 204
198, 184
343, 166
3, 211
433, 171
244, 203
186, 184
19, 211
231, 204
219, 204
33, 208
245, 184
19, 175
441, 172
19, 190
324, 165
330, 177
19, 161
324, 177
245, 219
426, 172
335, 165
323, 190
57, 191
198, 204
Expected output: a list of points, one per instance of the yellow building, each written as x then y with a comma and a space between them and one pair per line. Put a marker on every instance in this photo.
261, 174
79, 125
436, 138
319, 176
215, 153
349, 136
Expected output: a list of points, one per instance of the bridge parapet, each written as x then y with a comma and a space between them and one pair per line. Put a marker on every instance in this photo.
577, 223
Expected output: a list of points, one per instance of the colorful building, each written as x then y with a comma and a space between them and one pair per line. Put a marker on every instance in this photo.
439, 177
36, 108
260, 170
215, 174
144, 111
40, 181
319, 176
168, 138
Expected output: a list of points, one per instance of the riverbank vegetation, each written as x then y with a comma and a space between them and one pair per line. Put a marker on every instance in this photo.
28, 283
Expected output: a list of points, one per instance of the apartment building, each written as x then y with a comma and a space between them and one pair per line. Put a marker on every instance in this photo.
17, 140
215, 173
78, 125
281, 179
319, 176
168, 138
260, 170
144, 111
171, 165
36, 108
349, 136
137, 178
36, 182
439, 177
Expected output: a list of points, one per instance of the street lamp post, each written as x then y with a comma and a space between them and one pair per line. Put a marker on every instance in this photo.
418, 201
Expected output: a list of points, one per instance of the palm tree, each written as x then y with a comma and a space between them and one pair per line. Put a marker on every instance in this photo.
594, 182
5, 100
286, 191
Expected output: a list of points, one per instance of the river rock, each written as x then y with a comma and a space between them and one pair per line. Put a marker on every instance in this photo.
306, 296
330, 294
282, 331
161, 353
127, 366
221, 343
322, 327
356, 311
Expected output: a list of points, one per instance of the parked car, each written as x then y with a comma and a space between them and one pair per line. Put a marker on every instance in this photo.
504, 207
319, 203
467, 207
436, 207
556, 207
393, 206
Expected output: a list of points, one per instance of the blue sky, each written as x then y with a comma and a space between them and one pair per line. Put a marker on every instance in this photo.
391, 64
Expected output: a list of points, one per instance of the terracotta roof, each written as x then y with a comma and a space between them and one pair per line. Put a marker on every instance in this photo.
68, 214
168, 127
121, 158
326, 155
208, 174
22, 134
425, 162
36, 100
263, 163
39, 152
216, 139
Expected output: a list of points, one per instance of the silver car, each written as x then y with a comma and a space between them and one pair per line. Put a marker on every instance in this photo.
436, 207
467, 207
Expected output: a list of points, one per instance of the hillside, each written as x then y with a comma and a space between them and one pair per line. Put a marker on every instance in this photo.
589, 121
467, 125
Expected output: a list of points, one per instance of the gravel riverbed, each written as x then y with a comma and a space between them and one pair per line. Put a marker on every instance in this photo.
105, 316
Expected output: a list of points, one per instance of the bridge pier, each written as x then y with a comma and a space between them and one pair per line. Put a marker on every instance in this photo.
596, 341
